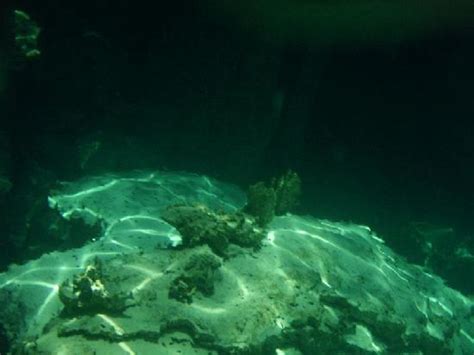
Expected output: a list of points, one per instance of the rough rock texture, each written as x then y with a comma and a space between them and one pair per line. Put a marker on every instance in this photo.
199, 274
287, 191
199, 225
305, 289
93, 291
261, 202
315, 287
280, 196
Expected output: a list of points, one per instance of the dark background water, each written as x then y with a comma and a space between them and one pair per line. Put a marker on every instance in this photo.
377, 121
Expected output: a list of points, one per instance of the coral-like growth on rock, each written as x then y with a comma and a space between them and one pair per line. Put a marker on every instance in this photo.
264, 201
198, 275
90, 292
287, 191
261, 203
199, 226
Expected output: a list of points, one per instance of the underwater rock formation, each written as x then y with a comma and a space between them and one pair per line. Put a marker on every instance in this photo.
261, 202
314, 286
281, 196
92, 292
287, 191
199, 273
198, 225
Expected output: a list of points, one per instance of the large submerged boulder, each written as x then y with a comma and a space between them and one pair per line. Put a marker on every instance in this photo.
314, 286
